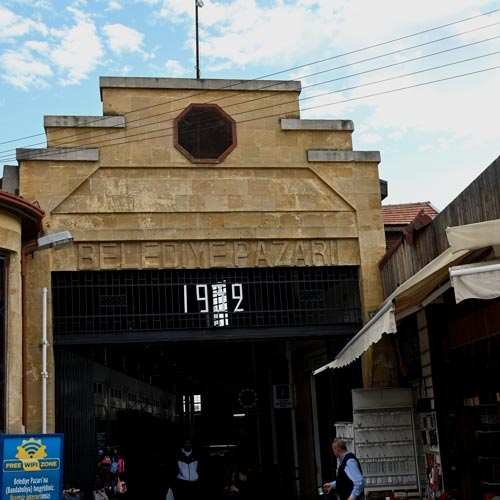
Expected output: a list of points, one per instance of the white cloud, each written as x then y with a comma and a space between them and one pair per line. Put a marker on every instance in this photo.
23, 71
369, 138
114, 5
36, 4
463, 110
175, 68
242, 33
397, 134
172, 9
246, 33
13, 25
395, 18
79, 14
122, 39
78, 53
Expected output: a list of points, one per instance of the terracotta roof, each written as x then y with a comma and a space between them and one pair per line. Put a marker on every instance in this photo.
30, 213
405, 213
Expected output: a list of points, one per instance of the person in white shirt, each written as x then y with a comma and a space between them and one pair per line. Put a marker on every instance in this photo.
186, 481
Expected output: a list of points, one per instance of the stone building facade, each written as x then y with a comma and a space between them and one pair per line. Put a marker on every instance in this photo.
20, 223
186, 176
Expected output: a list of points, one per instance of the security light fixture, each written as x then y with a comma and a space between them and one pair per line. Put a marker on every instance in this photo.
55, 240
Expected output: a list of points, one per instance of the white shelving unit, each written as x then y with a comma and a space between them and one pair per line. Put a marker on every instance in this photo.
345, 431
384, 439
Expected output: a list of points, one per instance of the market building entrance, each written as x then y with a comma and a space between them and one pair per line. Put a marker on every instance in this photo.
147, 358
212, 269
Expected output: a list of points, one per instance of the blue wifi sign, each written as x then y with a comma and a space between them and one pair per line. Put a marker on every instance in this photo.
31, 466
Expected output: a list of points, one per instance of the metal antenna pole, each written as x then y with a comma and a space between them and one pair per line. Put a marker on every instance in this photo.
197, 3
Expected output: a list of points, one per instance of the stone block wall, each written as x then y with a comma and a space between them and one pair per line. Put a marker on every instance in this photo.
292, 192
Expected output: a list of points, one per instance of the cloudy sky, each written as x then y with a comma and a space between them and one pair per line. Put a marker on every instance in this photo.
420, 79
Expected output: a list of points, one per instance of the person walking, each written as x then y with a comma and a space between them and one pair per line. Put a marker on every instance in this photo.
186, 481
349, 484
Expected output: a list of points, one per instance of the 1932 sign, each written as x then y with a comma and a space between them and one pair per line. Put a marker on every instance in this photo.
161, 300
215, 298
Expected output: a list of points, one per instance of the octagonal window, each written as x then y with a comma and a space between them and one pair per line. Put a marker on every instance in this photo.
204, 133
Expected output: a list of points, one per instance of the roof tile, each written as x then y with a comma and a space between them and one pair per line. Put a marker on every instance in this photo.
404, 213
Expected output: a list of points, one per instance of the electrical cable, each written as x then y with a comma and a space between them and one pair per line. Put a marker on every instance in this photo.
107, 133
307, 64
294, 102
37, 156
239, 103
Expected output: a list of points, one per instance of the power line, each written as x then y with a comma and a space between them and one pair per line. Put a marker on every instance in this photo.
422, 84
294, 101
380, 44
166, 113
416, 85
239, 103
310, 97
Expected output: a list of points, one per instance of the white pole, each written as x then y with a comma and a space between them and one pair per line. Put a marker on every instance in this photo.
44, 360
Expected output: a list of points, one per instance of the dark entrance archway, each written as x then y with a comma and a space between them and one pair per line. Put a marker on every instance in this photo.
176, 353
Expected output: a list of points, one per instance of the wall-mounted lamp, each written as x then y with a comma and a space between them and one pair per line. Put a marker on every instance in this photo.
55, 240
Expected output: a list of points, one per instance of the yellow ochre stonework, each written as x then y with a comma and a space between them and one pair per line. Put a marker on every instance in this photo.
132, 200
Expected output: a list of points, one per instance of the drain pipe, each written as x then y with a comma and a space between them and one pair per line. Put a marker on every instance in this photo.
45, 375
55, 240
27, 249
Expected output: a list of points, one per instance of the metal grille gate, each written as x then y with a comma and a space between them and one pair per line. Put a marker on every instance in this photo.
90, 302
114, 303
75, 418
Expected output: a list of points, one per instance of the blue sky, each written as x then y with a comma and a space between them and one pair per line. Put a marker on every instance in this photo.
434, 138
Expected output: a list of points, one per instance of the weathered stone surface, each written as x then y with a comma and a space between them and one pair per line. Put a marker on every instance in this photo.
293, 189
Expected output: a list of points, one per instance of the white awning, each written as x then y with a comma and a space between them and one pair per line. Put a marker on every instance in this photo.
413, 292
384, 321
406, 299
427, 284
476, 281
474, 236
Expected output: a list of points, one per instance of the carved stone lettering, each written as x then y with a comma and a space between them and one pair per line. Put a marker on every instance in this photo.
318, 253
130, 255
300, 256
281, 246
88, 256
171, 255
208, 254
109, 255
151, 253
199, 251
218, 254
261, 257
241, 254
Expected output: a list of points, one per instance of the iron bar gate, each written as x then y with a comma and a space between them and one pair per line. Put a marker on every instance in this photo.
75, 417
92, 302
